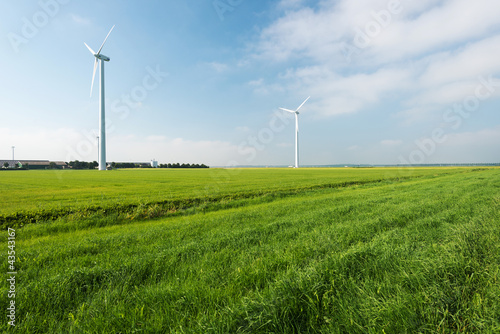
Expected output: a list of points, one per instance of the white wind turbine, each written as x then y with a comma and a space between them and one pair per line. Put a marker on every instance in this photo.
102, 115
296, 112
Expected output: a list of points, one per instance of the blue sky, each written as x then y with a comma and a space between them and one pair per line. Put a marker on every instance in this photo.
391, 81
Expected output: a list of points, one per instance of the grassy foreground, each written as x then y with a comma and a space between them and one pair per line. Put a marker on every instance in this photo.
413, 254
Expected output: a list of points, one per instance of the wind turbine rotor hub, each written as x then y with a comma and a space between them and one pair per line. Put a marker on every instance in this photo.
102, 57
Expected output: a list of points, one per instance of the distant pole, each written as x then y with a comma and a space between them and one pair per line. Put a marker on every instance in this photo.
13, 161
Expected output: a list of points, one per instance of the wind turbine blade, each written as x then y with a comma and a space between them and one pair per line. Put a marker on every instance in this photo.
293, 112
93, 76
99, 52
88, 47
303, 103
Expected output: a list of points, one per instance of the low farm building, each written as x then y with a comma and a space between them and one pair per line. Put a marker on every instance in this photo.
33, 164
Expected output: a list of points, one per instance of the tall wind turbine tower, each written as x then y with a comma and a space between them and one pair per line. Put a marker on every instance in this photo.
296, 112
102, 114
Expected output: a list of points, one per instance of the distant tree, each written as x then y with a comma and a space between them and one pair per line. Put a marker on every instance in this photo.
125, 165
6, 165
83, 164
183, 165
52, 165
74, 164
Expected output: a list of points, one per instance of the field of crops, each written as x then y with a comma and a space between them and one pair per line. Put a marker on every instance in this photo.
253, 250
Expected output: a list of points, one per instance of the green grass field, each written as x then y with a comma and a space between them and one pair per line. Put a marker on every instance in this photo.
36, 195
254, 250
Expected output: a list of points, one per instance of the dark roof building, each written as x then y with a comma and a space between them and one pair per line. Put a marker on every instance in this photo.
33, 164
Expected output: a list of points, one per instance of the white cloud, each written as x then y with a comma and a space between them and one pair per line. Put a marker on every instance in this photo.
80, 20
472, 146
300, 33
443, 25
414, 60
336, 94
466, 63
218, 67
260, 87
488, 138
415, 115
444, 94
391, 33
387, 33
256, 83
289, 4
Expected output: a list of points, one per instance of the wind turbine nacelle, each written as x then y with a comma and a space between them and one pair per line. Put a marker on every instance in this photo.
102, 57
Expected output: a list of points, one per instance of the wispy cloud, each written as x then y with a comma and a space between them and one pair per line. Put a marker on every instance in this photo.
415, 60
79, 19
256, 83
473, 146
218, 67
289, 4
414, 29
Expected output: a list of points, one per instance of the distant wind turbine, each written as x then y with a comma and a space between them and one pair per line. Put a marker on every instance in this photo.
296, 112
102, 114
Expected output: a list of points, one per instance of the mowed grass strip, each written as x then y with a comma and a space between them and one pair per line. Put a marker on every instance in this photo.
415, 256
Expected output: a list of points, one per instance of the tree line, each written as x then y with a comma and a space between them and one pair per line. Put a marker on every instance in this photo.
83, 164
177, 165
147, 165
92, 165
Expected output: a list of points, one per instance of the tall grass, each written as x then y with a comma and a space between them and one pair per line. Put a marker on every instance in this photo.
415, 256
